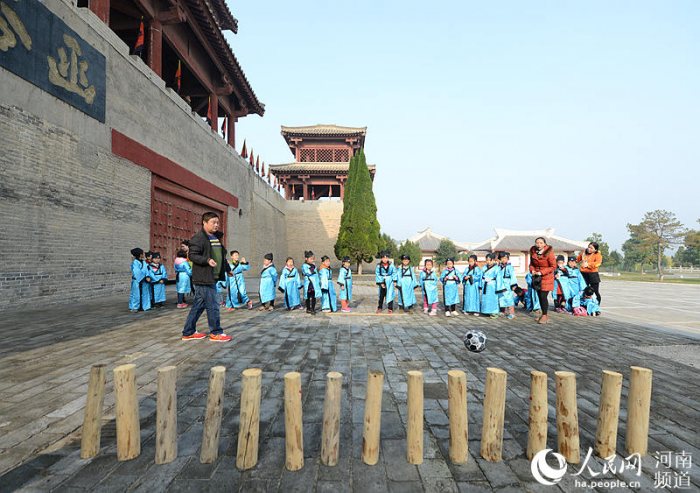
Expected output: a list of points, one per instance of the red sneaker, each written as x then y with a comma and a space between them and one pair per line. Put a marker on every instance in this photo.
194, 337
219, 337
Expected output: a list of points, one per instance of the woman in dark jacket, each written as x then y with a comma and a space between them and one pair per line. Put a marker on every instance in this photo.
542, 266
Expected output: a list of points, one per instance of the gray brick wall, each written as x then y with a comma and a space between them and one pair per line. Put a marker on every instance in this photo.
69, 213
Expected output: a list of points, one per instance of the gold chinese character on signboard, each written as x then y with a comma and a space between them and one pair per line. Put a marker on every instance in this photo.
11, 27
69, 72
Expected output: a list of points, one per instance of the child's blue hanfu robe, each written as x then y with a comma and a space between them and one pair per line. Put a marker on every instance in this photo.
405, 284
451, 280
384, 276
289, 285
345, 282
576, 285
311, 280
158, 287
183, 277
237, 295
532, 300
138, 273
506, 297
429, 286
328, 299
268, 284
472, 297
562, 284
490, 284
591, 304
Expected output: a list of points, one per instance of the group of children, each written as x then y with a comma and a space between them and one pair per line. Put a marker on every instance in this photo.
489, 290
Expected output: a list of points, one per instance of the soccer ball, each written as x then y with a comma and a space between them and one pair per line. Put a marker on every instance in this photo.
475, 341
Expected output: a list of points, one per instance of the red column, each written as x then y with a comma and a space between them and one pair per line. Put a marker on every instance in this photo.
101, 9
306, 191
155, 46
232, 131
214, 112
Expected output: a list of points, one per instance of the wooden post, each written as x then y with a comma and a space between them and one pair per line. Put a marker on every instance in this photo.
330, 438
457, 410
294, 431
638, 407
537, 432
373, 418
567, 416
166, 415
127, 413
608, 414
248, 433
212, 418
494, 414
92, 422
414, 434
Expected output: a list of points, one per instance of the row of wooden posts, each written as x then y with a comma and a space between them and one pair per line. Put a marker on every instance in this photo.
129, 442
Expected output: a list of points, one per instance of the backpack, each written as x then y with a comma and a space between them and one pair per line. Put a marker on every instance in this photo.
580, 311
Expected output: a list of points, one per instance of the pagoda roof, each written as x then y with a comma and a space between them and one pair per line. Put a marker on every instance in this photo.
521, 241
213, 16
313, 168
326, 130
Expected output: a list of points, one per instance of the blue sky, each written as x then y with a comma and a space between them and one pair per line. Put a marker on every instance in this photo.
576, 115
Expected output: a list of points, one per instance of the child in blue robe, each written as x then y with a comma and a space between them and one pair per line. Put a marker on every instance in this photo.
345, 283
158, 276
268, 284
147, 287
450, 279
576, 284
290, 283
325, 276
590, 301
561, 291
138, 273
532, 301
471, 278
183, 277
490, 284
429, 288
506, 299
312, 286
384, 278
237, 296
406, 284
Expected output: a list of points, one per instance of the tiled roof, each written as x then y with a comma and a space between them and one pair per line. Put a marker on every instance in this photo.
429, 241
207, 18
313, 167
521, 241
226, 20
324, 129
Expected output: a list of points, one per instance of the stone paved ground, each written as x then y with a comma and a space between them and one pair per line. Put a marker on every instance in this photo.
44, 370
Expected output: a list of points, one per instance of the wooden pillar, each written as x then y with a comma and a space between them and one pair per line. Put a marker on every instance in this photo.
567, 416
248, 433
92, 423
306, 191
373, 418
155, 46
212, 418
293, 428
457, 410
127, 412
166, 415
232, 131
608, 414
101, 9
537, 432
330, 437
638, 407
414, 433
214, 101
494, 414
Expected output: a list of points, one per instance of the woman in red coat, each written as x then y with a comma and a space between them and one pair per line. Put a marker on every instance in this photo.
542, 266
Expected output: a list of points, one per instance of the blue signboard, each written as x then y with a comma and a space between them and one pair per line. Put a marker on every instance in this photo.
39, 47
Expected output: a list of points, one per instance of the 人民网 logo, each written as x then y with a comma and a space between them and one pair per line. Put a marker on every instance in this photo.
543, 472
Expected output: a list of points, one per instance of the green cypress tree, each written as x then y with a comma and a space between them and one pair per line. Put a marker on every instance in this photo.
359, 236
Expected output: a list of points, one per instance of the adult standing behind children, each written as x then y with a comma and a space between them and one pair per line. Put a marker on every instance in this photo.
542, 265
209, 266
590, 261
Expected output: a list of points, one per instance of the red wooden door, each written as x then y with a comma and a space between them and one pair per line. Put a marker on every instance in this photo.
176, 215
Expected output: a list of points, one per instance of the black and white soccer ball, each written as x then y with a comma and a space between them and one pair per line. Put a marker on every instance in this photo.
475, 341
